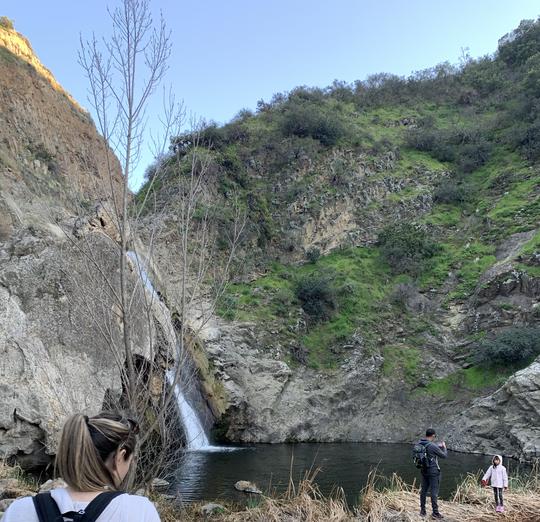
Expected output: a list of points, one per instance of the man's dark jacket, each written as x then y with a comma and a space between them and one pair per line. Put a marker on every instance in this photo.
433, 452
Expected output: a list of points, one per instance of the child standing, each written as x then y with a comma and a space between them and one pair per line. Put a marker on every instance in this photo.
498, 479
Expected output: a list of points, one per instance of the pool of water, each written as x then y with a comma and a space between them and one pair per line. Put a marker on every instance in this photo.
211, 475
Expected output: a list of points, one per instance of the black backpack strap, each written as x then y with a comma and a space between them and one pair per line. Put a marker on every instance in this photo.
46, 508
48, 511
98, 505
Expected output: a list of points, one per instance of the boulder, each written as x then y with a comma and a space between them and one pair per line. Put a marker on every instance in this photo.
5, 503
52, 484
212, 509
247, 487
507, 421
158, 484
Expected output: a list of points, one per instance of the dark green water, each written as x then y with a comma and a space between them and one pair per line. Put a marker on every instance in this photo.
211, 475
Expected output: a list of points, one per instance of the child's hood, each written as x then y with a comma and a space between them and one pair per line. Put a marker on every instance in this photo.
496, 457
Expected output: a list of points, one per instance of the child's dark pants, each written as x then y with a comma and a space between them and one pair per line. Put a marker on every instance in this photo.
498, 493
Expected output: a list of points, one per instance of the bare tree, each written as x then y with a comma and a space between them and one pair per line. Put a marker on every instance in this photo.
118, 241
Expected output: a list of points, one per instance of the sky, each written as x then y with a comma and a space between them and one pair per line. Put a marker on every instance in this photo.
228, 54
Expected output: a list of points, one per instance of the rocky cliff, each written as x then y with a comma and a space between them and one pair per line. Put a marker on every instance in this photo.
53, 198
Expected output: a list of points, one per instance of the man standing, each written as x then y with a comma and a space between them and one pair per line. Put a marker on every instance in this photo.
431, 472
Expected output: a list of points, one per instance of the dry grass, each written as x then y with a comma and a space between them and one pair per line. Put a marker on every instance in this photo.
471, 503
303, 502
15, 472
382, 500
396, 501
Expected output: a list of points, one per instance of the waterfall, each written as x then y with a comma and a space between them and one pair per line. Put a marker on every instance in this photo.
196, 438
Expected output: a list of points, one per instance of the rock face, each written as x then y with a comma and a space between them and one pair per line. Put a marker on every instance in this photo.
506, 421
256, 395
268, 401
264, 399
53, 359
54, 362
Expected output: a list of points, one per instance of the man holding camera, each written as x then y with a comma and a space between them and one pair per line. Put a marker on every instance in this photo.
431, 472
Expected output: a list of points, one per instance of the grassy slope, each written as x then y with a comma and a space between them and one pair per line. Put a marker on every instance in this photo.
502, 199
467, 247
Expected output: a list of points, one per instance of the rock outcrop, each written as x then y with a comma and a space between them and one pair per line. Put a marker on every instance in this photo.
506, 421
55, 252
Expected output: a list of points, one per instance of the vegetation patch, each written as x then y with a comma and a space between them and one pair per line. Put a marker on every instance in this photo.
344, 291
406, 247
404, 359
514, 347
470, 380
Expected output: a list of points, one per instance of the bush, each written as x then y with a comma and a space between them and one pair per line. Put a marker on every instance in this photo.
406, 247
305, 119
528, 140
402, 293
513, 346
450, 192
516, 47
282, 302
473, 155
468, 148
317, 295
313, 254
6, 23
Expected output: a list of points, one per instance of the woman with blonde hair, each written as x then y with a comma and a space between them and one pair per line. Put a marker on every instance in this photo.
94, 457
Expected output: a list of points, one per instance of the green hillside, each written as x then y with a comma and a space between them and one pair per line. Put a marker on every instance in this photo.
434, 172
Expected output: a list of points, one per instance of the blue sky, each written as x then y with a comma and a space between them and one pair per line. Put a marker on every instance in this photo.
227, 54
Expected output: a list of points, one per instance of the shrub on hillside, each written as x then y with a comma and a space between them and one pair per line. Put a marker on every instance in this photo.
473, 155
6, 23
524, 41
527, 140
468, 148
313, 254
317, 296
406, 247
402, 293
450, 192
313, 120
290, 151
513, 346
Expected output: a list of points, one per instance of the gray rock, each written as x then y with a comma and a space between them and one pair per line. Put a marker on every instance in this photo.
158, 484
5, 503
506, 421
212, 509
52, 484
247, 487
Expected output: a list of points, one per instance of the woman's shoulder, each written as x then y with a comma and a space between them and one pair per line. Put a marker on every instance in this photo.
21, 509
136, 502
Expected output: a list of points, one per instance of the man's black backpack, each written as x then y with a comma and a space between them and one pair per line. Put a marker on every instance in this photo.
48, 511
420, 455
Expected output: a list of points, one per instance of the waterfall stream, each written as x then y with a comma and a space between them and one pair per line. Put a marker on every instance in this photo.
196, 437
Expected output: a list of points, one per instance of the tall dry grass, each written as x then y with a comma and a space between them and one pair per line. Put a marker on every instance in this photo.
383, 499
397, 501
300, 502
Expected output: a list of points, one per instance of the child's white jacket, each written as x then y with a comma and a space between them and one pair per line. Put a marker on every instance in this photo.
497, 474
